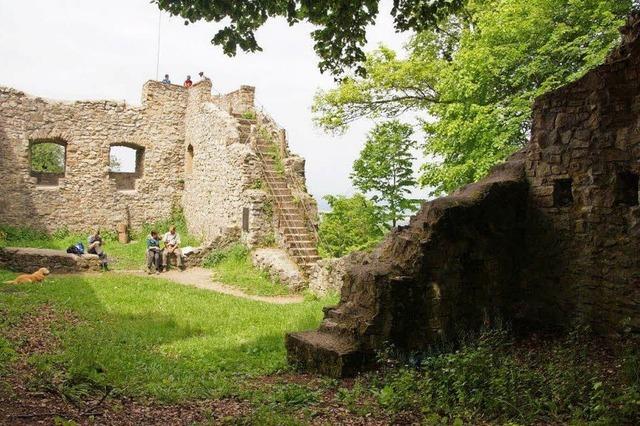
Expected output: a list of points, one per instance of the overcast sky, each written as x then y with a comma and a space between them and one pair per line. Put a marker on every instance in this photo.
90, 49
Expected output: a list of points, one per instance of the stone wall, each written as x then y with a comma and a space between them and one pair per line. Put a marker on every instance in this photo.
238, 101
328, 276
86, 196
194, 151
29, 260
547, 240
213, 199
583, 250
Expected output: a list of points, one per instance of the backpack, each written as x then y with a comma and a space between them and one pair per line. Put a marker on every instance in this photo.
77, 249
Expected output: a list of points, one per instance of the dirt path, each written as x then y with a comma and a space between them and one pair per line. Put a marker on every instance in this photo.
201, 278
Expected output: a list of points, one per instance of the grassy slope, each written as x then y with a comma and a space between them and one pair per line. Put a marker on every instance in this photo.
233, 266
146, 336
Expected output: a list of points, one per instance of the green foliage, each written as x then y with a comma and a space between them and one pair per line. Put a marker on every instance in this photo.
475, 79
47, 157
292, 395
492, 379
353, 224
340, 28
257, 184
145, 336
233, 266
385, 168
249, 115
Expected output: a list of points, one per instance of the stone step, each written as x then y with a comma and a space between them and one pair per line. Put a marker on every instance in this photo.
326, 353
332, 326
305, 243
299, 237
303, 251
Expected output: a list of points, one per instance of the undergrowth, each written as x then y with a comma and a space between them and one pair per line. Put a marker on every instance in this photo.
495, 379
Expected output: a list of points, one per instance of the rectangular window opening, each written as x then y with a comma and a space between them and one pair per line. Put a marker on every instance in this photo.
48, 159
562, 193
627, 189
245, 219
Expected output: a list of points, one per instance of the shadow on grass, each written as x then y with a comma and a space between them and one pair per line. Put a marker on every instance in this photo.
143, 336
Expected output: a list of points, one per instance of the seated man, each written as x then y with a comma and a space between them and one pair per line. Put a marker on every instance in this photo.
95, 247
171, 246
153, 253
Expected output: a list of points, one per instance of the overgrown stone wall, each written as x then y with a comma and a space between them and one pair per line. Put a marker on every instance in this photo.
549, 239
583, 251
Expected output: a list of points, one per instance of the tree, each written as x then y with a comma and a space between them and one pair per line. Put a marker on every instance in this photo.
341, 25
385, 169
474, 79
47, 158
352, 225
114, 163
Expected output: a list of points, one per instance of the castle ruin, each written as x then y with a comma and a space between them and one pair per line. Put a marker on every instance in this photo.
547, 239
223, 162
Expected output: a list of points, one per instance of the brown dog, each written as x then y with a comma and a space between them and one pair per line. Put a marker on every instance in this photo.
36, 277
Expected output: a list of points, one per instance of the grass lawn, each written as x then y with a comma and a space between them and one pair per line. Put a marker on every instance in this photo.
145, 336
233, 266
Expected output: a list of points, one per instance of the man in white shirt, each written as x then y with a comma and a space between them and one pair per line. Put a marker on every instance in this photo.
171, 246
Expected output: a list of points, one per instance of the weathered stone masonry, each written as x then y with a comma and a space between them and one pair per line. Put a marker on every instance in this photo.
195, 150
548, 239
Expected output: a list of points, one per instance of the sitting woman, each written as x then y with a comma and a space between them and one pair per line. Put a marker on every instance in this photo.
95, 247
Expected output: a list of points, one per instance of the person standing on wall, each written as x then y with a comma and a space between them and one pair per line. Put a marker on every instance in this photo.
188, 83
166, 79
171, 246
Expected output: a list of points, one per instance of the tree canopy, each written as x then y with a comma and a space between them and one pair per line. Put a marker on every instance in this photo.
474, 78
385, 169
341, 24
47, 158
353, 224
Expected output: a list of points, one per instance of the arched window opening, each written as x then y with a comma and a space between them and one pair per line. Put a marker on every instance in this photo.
126, 165
48, 158
188, 161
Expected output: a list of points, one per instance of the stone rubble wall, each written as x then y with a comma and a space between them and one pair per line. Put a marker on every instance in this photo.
86, 196
238, 101
328, 276
215, 191
29, 260
279, 266
583, 256
213, 197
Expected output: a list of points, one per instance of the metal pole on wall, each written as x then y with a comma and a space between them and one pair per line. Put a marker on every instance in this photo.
158, 56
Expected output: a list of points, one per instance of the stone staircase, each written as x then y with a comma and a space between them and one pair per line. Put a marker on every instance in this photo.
299, 240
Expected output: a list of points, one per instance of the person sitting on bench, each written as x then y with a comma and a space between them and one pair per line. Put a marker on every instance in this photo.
153, 253
171, 246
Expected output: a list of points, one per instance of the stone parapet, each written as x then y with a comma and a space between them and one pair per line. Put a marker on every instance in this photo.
28, 260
